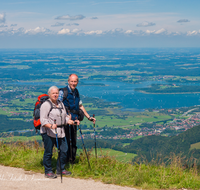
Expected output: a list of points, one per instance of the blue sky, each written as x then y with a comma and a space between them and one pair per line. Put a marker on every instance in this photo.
99, 24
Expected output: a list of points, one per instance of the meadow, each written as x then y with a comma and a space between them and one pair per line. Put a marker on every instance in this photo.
195, 146
118, 155
105, 168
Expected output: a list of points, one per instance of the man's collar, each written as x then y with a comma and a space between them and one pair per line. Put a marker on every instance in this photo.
70, 90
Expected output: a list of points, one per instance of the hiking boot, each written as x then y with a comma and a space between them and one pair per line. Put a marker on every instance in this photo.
64, 172
50, 175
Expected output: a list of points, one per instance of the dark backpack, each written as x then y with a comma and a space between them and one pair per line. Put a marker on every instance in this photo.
80, 113
36, 113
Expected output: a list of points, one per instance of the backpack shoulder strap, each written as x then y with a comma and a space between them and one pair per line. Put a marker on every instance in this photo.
50, 105
60, 108
65, 93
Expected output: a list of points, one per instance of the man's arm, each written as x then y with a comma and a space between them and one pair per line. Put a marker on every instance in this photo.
86, 114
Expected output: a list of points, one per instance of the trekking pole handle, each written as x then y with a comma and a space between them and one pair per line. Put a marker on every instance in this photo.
91, 119
75, 121
55, 123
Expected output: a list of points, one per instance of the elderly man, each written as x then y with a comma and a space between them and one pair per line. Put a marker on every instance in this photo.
71, 99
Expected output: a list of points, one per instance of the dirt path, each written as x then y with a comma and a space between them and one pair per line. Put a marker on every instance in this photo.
18, 179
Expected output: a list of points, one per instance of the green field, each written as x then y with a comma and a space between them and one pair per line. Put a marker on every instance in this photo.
120, 156
196, 145
115, 121
20, 138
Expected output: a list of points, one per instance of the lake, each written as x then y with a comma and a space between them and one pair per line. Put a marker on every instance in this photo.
124, 94
112, 64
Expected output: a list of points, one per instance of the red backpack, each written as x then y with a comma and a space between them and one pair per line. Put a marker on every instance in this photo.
36, 113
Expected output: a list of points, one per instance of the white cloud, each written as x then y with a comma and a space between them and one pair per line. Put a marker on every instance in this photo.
2, 18
145, 24
147, 32
58, 24
94, 17
3, 25
150, 32
94, 32
19, 31
76, 24
183, 20
77, 31
38, 30
194, 32
134, 32
176, 33
116, 30
110, 32
69, 32
13, 25
64, 31
4, 30
129, 32
67, 17
160, 31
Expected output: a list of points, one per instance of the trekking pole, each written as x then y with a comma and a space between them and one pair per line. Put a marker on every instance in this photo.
58, 150
84, 146
70, 139
95, 140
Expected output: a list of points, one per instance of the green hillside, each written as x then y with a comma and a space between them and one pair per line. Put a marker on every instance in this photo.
159, 147
105, 168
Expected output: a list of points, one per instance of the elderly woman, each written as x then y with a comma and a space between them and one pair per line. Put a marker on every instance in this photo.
53, 118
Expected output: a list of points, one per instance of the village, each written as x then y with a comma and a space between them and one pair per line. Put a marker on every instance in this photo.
174, 127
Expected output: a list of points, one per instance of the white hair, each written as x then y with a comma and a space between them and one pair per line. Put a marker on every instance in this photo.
52, 87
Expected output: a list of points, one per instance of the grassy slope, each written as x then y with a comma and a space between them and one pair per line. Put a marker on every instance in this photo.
105, 168
20, 138
120, 156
